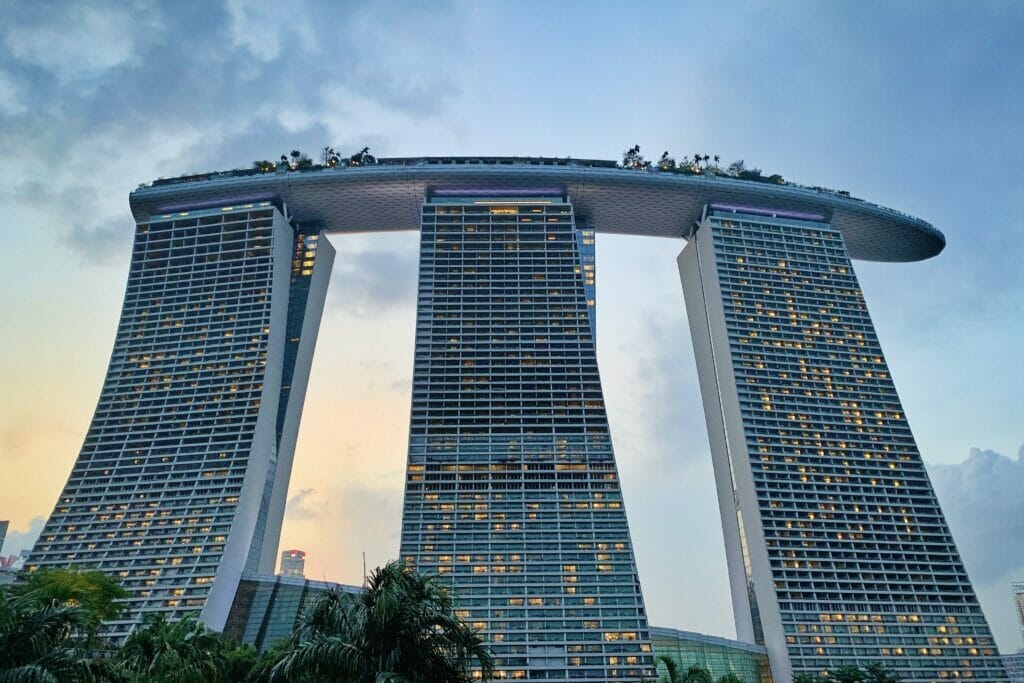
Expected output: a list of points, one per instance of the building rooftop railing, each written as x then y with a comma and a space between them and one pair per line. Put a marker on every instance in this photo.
716, 174
392, 161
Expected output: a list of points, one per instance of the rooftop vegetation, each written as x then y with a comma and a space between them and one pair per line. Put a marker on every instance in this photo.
329, 158
707, 164
632, 160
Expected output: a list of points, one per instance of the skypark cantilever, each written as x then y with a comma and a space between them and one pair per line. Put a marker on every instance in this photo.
838, 552
388, 196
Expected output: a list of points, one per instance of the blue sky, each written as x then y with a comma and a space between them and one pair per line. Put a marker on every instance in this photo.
915, 105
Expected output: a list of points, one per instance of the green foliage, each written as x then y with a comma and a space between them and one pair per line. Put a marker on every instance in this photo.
329, 157
241, 662
39, 641
874, 672
694, 674
698, 674
847, 674
632, 158
297, 161
700, 163
362, 158
401, 628
736, 167
674, 675
89, 589
172, 652
185, 651
730, 678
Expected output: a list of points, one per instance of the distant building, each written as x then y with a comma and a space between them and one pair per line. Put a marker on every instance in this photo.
720, 656
267, 608
6, 563
1018, 598
293, 563
1015, 667
1015, 663
10, 565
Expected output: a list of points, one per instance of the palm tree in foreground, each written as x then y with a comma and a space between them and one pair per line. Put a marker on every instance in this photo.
39, 641
172, 652
401, 629
695, 674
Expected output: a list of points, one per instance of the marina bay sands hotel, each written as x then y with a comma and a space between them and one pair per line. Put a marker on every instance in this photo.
837, 549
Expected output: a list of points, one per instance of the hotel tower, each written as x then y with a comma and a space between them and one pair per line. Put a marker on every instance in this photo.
512, 492
838, 552
181, 483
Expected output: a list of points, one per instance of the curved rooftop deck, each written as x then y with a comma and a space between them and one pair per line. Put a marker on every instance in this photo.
387, 196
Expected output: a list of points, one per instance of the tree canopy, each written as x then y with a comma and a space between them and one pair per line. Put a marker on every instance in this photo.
401, 628
873, 672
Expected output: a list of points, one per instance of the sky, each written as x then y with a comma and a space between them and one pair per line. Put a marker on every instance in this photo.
913, 105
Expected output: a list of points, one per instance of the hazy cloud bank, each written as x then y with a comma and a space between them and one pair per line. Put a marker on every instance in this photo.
374, 281
23, 539
96, 98
983, 500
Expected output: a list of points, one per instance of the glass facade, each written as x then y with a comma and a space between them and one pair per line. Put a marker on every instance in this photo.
512, 493
838, 549
718, 655
266, 609
197, 401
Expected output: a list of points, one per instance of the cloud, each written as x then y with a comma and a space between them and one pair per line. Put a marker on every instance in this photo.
17, 541
352, 520
10, 96
662, 419
117, 97
983, 498
983, 502
79, 40
101, 244
266, 27
671, 407
372, 281
300, 505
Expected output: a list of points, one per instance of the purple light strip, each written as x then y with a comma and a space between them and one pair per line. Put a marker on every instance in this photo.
761, 211
173, 208
499, 192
